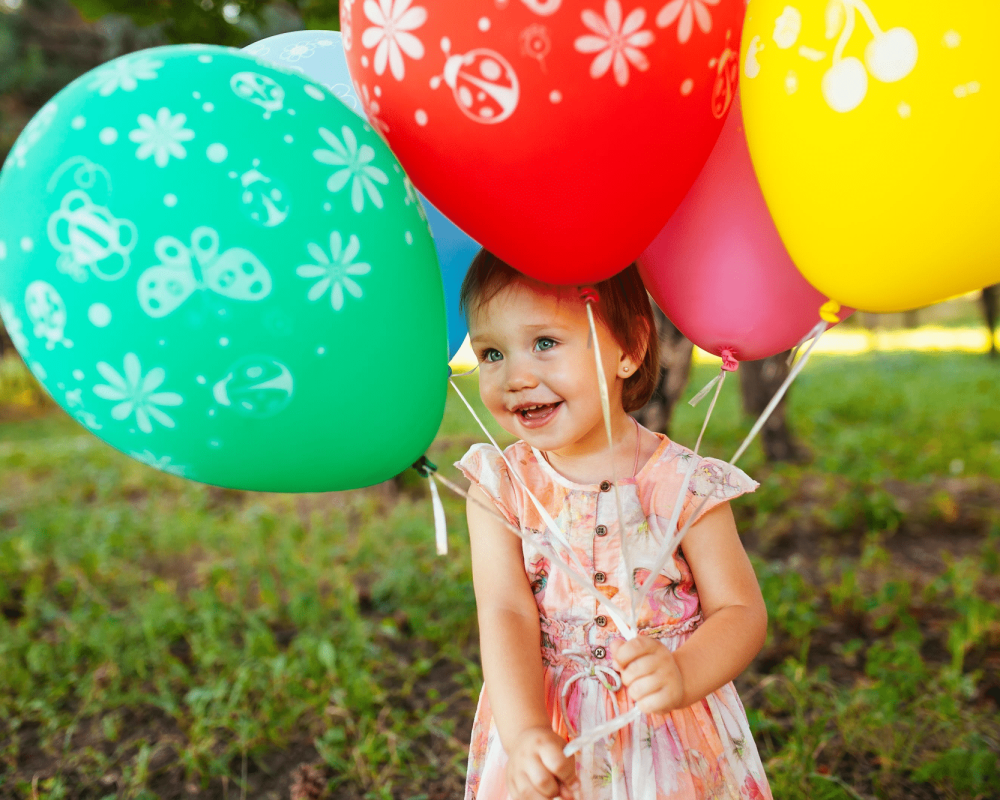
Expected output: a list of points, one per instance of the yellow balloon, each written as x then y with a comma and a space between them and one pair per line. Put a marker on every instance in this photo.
874, 128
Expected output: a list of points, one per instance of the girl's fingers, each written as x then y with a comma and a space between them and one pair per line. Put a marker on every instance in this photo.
541, 779
648, 664
627, 652
646, 687
559, 765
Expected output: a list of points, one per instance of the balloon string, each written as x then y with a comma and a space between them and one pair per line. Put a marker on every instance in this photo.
711, 408
440, 526
817, 333
693, 402
546, 517
546, 550
602, 385
622, 720
463, 374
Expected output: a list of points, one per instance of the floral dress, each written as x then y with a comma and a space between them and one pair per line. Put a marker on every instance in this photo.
696, 753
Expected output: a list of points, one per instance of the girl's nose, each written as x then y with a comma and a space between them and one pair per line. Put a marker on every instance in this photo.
519, 374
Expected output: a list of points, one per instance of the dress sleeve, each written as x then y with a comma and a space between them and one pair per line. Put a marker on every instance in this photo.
484, 466
717, 481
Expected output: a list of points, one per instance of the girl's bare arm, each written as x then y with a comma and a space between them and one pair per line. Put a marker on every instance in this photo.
735, 623
508, 624
732, 634
510, 639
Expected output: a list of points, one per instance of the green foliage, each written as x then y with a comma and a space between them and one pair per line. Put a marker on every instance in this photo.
226, 22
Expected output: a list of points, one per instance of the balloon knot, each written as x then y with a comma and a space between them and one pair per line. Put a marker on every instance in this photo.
830, 312
589, 295
424, 466
729, 362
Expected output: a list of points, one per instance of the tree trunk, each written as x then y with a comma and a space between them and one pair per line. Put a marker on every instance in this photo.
675, 368
759, 380
990, 298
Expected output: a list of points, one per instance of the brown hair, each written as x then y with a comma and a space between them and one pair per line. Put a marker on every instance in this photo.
623, 306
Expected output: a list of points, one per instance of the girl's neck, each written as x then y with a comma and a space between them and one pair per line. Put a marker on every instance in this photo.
587, 461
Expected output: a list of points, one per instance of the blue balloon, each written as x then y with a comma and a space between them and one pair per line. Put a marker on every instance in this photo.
320, 55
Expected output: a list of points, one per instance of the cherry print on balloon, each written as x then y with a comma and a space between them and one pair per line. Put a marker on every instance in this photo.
483, 82
890, 56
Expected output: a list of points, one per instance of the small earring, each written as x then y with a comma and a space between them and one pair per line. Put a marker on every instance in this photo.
626, 369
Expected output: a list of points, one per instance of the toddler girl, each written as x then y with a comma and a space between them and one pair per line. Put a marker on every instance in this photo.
554, 662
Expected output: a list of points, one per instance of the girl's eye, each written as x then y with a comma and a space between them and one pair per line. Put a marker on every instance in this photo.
490, 355
545, 343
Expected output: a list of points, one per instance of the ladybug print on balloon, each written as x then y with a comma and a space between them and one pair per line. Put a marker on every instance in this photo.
561, 134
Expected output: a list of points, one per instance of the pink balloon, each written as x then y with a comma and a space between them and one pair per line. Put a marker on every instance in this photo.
719, 270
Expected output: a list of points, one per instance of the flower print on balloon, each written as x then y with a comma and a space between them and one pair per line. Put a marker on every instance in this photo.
616, 41
162, 138
685, 13
137, 394
391, 34
353, 165
184, 269
336, 272
484, 84
125, 74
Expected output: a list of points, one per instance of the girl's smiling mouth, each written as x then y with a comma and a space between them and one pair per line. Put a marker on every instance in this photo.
537, 414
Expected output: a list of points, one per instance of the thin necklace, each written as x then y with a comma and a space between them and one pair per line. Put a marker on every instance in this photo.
635, 465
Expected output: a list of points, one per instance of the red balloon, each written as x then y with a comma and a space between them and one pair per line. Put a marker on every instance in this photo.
719, 270
561, 134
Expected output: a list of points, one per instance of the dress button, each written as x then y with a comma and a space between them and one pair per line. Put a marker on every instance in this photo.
600, 652
601, 620
605, 486
600, 577
601, 530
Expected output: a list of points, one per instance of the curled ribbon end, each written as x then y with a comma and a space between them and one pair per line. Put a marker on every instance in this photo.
729, 362
830, 312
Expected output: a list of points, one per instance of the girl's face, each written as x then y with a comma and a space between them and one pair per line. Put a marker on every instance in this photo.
537, 375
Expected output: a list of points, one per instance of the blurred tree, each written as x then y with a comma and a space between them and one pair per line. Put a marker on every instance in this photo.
675, 368
990, 298
759, 380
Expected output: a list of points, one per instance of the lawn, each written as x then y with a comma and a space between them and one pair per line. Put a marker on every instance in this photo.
160, 638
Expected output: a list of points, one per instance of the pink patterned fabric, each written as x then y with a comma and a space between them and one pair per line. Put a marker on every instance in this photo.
696, 753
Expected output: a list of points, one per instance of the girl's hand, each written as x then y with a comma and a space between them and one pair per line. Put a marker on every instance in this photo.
537, 768
650, 673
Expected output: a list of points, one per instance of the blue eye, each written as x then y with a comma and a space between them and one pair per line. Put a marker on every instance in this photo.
490, 355
545, 343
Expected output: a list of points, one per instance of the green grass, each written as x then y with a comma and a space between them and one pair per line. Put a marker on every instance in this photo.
159, 637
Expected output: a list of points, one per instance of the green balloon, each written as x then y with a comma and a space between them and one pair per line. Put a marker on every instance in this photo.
219, 269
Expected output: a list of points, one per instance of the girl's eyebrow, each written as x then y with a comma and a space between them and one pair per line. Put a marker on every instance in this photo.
549, 325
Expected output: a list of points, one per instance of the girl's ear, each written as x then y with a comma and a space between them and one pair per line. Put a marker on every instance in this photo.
628, 365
